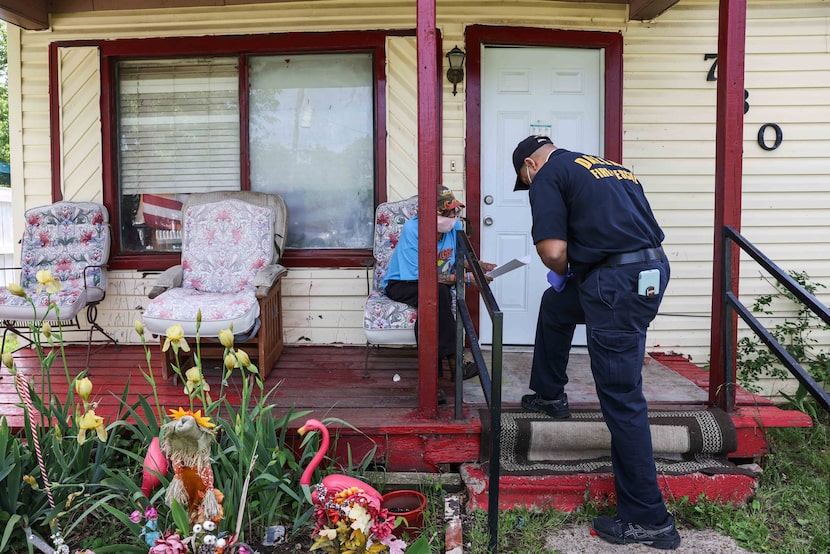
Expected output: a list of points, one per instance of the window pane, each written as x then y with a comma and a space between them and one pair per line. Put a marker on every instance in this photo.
178, 123
312, 141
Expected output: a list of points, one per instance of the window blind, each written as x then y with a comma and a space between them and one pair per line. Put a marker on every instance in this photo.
178, 125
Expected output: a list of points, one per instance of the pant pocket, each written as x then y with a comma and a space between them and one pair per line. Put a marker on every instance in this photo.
616, 359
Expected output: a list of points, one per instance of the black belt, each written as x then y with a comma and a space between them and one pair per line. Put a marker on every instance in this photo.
644, 255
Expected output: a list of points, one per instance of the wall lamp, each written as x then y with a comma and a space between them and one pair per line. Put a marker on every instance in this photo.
455, 74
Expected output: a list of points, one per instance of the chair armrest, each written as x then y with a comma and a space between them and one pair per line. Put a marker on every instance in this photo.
266, 277
87, 268
169, 278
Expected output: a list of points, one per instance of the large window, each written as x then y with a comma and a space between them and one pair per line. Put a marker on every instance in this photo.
178, 127
312, 141
247, 115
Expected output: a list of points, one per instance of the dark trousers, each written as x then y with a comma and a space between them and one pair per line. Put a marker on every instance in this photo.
407, 292
616, 319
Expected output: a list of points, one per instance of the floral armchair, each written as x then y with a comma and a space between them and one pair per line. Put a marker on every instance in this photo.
72, 241
386, 321
231, 243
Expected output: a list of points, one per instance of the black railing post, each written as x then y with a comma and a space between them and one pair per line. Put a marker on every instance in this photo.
495, 434
460, 297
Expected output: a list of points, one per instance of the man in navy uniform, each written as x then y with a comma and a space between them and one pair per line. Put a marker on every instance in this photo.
595, 231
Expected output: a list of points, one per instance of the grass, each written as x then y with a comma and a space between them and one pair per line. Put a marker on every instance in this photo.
788, 514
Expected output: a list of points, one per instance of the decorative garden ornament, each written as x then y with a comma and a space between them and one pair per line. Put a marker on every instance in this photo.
188, 438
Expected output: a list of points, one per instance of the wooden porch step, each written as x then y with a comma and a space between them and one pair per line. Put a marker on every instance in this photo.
569, 492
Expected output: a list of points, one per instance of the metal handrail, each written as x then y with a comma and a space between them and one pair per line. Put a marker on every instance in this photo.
491, 385
732, 302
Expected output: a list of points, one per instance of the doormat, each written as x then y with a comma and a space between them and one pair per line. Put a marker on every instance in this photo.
684, 442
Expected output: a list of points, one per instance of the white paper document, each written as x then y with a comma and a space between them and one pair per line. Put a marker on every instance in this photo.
507, 267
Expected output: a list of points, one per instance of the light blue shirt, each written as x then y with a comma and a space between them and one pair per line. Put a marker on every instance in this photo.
403, 266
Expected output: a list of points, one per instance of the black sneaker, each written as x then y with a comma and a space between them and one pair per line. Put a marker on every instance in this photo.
617, 531
442, 397
557, 408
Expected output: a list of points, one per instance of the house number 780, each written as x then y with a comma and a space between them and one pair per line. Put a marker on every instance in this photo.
762, 132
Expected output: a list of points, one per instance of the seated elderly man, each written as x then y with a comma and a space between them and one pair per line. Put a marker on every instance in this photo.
401, 280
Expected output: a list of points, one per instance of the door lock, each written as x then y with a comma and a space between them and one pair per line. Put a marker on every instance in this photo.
488, 221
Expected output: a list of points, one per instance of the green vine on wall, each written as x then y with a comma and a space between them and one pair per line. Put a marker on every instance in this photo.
795, 333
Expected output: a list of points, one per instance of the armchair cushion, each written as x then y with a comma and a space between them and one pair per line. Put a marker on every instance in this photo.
69, 301
72, 240
225, 245
219, 310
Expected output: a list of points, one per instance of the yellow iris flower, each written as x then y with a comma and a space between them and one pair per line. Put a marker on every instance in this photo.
16, 290
83, 388
88, 422
175, 336
47, 281
194, 379
226, 338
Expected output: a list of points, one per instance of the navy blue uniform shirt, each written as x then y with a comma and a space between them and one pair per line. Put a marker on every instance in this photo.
596, 205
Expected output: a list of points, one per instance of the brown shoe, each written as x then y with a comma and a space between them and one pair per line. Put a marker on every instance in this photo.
470, 369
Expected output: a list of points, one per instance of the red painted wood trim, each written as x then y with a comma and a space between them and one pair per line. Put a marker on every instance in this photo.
728, 172
55, 123
380, 126
567, 493
428, 179
244, 115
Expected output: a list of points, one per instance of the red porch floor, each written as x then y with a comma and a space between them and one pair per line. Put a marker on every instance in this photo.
343, 382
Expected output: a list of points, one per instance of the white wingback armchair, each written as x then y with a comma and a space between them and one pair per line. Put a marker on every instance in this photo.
231, 243
72, 241
386, 321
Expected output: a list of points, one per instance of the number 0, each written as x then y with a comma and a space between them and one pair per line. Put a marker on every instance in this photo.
779, 136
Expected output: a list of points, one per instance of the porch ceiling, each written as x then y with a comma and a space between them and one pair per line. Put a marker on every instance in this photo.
34, 14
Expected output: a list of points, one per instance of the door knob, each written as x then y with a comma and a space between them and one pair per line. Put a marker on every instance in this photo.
488, 221
488, 199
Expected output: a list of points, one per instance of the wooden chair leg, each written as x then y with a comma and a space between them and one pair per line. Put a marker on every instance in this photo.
269, 339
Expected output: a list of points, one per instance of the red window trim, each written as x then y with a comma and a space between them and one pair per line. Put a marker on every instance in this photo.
288, 43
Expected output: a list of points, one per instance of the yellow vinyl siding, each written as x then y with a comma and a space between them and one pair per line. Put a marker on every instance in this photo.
401, 118
80, 93
669, 132
669, 112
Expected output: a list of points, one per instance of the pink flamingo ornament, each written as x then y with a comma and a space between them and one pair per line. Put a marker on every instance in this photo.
333, 483
154, 461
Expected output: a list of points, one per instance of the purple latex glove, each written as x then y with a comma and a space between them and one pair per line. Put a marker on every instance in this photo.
558, 281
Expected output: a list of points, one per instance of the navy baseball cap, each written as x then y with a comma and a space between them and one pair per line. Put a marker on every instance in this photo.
525, 149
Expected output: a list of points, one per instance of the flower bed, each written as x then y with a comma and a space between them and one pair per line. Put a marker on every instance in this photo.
205, 478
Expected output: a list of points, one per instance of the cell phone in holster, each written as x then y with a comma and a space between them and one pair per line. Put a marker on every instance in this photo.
648, 283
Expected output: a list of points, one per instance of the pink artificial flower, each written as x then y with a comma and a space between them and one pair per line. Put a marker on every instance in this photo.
151, 513
135, 517
396, 545
170, 544
383, 524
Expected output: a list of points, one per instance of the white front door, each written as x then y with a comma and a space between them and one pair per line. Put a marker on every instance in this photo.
556, 92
